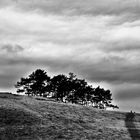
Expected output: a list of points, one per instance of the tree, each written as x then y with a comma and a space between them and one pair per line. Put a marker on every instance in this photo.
65, 88
35, 84
80, 92
102, 98
59, 86
89, 94
77, 89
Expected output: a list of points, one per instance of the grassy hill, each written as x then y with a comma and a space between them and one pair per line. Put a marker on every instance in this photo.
27, 118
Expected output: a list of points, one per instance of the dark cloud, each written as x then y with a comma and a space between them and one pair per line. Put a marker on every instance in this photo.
127, 44
7, 80
113, 73
103, 71
12, 48
128, 93
78, 7
4, 3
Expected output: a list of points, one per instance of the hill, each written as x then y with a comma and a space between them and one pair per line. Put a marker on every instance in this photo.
29, 118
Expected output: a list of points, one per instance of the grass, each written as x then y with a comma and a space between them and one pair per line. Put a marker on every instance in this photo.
27, 118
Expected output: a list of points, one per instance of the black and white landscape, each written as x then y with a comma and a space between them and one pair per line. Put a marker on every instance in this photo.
98, 40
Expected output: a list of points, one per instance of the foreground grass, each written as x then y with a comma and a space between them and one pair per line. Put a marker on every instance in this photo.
27, 118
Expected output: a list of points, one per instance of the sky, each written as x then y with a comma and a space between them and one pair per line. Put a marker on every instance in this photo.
98, 40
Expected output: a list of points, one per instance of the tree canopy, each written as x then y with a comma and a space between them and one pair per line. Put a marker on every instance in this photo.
65, 89
35, 84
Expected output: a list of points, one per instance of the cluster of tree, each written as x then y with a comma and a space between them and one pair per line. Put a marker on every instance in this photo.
65, 88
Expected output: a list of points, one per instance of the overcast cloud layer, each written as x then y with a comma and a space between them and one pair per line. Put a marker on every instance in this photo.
98, 40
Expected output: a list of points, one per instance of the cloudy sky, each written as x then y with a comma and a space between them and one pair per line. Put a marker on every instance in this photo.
98, 40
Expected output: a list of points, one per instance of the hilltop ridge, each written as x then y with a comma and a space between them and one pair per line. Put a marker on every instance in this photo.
30, 118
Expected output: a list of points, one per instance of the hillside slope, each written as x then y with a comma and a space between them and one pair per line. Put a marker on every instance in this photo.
27, 118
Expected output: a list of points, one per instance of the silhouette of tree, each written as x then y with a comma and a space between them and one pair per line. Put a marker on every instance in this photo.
65, 88
72, 76
35, 84
71, 87
89, 94
59, 86
77, 90
102, 98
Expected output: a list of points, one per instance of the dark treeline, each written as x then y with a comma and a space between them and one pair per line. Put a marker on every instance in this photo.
65, 89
